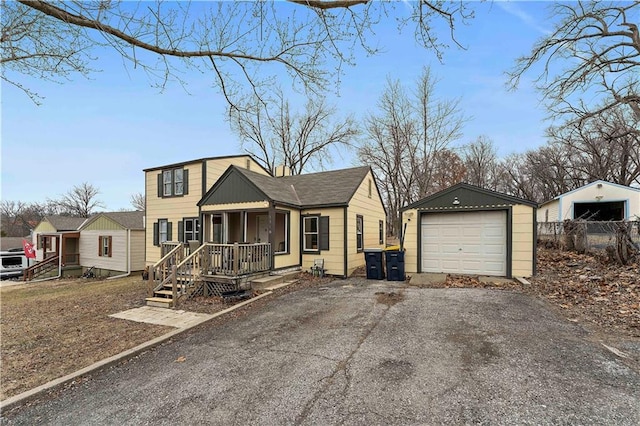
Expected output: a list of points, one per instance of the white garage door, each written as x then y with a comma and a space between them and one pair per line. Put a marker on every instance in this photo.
465, 243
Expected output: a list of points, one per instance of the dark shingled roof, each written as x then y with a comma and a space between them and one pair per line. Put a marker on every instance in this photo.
335, 187
65, 223
128, 220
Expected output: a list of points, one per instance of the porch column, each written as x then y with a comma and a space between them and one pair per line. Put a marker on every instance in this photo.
272, 234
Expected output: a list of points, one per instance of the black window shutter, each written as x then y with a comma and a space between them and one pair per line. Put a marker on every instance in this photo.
169, 226
156, 235
160, 186
185, 182
324, 232
180, 231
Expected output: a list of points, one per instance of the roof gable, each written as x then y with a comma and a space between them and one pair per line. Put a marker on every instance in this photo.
330, 188
108, 220
595, 182
65, 223
463, 196
232, 187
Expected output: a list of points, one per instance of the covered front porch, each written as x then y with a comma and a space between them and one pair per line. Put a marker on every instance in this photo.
255, 226
56, 250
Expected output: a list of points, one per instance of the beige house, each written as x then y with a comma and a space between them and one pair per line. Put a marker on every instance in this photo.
172, 193
113, 243
329, 216
469, 230
58, 234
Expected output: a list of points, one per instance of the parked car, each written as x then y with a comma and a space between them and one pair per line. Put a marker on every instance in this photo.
14, 262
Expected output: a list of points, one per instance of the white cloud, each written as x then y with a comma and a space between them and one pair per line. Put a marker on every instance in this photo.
514, 9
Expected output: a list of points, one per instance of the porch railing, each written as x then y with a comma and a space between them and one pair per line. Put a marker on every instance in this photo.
235, 259
40, 268
160, 271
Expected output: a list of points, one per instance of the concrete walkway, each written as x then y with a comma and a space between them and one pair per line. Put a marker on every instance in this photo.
163, 316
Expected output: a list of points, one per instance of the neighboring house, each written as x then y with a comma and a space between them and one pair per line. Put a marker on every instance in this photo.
469, 230
330, 215
597, 201
113, 243
58, 234
172, 193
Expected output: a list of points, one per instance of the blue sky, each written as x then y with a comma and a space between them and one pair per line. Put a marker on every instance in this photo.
104, 130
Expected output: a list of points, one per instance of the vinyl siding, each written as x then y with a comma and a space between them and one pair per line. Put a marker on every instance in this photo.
372, 211
334, 257
235, 206
522, 241
607, 192
293, 258
552, 208
137, 250
174, 209
44, 226
521, 249
103, 224
89, 250
412, 219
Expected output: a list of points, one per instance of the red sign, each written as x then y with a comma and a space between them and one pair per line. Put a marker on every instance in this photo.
29, 251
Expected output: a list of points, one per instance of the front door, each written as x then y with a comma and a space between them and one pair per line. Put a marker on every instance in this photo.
262, 223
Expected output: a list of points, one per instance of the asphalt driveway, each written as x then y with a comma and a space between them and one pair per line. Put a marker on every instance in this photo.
365, 352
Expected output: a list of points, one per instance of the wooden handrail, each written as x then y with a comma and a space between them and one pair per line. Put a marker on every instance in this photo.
38, 267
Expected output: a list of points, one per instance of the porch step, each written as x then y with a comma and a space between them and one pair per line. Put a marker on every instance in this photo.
272, 280
159, 302
165, 293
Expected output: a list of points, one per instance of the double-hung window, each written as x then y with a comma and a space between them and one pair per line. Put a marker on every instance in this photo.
104, 246
173, 183
359, 234
163, 230
315, 233
311, 233
178, 182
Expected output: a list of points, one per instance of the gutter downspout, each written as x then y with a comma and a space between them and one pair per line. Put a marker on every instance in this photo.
128, 258
59, 265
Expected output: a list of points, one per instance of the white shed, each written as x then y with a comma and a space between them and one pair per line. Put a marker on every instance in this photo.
598, 200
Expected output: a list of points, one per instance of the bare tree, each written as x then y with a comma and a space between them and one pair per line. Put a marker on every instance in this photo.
406, 139
605, 146
389, 148
12, 218
81, 200
595, 48
447, 169
483, 167
138, 201
18, 218
276, 136
311, 40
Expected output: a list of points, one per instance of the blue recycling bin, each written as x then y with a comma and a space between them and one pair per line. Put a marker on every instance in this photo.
373, 258
394, 260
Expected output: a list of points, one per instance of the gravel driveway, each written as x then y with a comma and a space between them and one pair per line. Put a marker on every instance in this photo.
365, 352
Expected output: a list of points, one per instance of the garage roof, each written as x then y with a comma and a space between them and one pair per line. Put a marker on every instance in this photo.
464, 196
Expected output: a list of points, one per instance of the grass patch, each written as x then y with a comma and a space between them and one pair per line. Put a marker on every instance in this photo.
53, 328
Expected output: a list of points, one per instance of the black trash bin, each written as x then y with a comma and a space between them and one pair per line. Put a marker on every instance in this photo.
374, 264
395, 265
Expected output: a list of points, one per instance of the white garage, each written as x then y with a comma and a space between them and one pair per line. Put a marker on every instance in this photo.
469, 230
465, 242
